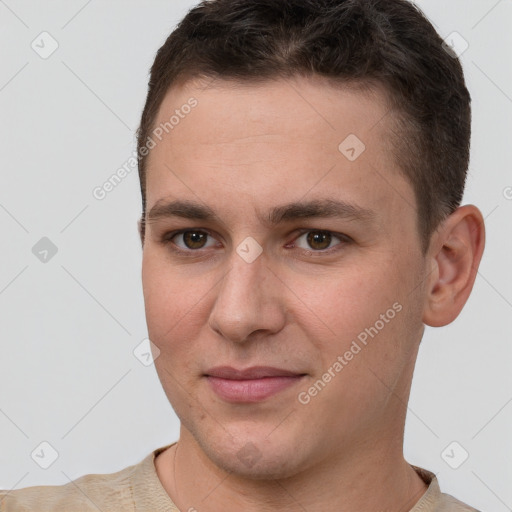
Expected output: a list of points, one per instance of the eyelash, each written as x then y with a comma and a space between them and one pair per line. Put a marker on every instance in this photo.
167, 239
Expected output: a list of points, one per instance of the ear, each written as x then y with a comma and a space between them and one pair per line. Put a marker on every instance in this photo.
140, 228
454, 256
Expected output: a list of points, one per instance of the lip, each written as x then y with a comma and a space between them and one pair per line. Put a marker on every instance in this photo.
250, 385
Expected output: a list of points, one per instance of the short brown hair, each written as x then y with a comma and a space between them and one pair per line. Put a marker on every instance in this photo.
386, 42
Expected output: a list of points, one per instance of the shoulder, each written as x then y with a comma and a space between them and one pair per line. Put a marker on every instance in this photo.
448, 503
91, 492
436, 501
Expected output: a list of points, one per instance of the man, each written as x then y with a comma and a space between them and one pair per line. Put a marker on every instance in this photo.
302, 164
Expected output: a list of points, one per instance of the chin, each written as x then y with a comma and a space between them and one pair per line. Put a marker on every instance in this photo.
257, 459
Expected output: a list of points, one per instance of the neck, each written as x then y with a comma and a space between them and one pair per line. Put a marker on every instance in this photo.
381, 480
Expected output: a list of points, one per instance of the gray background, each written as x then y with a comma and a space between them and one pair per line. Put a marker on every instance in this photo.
69, 326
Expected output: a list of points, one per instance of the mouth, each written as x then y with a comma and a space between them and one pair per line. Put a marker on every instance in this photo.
250, 385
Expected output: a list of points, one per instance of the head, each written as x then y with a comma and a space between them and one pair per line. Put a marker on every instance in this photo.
302, 165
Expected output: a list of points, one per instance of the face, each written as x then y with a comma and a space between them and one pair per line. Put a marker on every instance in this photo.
282, 272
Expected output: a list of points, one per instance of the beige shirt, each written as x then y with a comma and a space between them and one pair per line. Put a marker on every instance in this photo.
138, 488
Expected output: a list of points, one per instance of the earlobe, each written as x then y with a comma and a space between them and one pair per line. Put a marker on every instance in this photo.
455, 259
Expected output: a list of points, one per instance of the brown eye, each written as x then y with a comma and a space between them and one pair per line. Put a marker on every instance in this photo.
192, 239
319, 239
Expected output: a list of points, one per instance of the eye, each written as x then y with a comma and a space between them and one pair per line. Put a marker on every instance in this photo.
319, 240
190, 239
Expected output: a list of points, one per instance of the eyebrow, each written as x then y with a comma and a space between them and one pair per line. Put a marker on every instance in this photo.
318, 208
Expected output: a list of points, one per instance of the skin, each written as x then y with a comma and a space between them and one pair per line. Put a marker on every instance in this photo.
243, 150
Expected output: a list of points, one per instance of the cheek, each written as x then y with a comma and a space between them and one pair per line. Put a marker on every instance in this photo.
362, 343
346, 303
172, 302
368, 304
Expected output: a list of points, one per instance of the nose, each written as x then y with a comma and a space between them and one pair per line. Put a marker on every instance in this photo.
249, 301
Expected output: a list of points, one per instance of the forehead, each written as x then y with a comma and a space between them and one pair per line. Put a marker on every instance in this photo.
273, 142
274, 107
